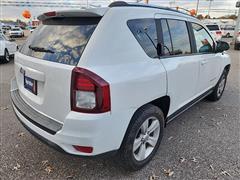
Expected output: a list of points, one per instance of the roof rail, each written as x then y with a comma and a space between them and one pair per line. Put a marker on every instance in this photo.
125, 4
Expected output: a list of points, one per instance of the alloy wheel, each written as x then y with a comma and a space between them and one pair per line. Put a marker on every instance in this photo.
146, 138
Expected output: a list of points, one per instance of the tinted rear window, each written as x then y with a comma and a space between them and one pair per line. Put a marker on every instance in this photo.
213, 27
145, 32
64, 38
15, 29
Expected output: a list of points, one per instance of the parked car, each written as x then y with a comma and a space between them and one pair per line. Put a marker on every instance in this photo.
16, 32
108, 80
215, 30
237, 41
32, 29
6, 27
7, 48
2, 31
227, 30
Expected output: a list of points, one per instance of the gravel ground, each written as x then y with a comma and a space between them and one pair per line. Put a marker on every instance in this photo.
202, 143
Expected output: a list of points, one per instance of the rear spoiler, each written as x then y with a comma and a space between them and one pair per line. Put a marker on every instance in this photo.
93, 12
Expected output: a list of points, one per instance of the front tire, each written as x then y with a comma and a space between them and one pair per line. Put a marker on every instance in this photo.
6, 57
142, 138
219, 88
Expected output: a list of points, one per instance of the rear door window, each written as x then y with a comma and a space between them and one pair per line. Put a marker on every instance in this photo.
180, 37
167, 43
145, 32
60, 40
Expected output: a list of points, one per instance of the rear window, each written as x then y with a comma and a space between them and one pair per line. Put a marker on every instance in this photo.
15, 29
213, 27
60, 40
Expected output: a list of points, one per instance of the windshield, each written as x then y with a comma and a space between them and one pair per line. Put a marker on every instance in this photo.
213, 27
60, 40
16, 29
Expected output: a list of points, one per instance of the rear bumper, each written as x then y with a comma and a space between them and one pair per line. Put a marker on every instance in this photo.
97, 130
45, 123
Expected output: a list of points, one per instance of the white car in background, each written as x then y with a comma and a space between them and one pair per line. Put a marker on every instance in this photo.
2, 31
227, 30
7, 48
16, 32
215, 30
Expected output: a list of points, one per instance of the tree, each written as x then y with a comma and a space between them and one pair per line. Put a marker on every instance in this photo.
200, 16
207, 17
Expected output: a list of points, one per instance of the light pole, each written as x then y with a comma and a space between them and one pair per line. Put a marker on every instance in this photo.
209, 7
238, 20
197, 7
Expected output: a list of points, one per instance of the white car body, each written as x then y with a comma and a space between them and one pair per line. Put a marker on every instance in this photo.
5, 44
134, 79
16, 32
215, 30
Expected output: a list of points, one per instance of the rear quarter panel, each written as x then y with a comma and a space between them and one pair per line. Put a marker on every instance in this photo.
114, 54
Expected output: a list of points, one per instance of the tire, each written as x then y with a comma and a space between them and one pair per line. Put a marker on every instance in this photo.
219, 88
228, 35
148, 116
237, 46
6, 57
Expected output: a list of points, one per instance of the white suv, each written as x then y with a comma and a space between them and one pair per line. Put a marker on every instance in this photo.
16, 32
215, 30
98, 81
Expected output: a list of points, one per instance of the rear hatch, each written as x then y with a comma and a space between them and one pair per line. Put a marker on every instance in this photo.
44, 64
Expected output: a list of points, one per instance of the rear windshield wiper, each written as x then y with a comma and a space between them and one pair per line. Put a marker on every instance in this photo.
40, 49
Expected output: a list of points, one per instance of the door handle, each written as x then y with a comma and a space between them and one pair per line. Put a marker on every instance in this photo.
203, 62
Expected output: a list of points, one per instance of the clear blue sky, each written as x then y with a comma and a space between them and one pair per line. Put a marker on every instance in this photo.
219, 7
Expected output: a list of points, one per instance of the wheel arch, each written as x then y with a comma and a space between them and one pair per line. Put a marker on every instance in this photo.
163, 103
227, 67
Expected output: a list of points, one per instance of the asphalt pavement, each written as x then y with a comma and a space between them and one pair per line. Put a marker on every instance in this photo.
202, 143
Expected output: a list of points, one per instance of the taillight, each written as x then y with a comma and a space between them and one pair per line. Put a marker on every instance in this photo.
84, 149
50, 14
218, 32
89, 92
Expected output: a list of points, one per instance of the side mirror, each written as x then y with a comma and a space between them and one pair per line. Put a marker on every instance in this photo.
12, 40
222, 46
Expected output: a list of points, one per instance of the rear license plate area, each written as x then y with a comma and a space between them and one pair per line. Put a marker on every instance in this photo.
30, 84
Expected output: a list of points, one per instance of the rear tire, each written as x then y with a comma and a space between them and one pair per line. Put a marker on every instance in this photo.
142, 138
237, 46
219, 88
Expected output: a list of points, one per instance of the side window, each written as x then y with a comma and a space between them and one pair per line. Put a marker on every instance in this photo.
145, 32
167, 48
180, 37
203, 40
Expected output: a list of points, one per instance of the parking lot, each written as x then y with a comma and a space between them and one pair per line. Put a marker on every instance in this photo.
202, 143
